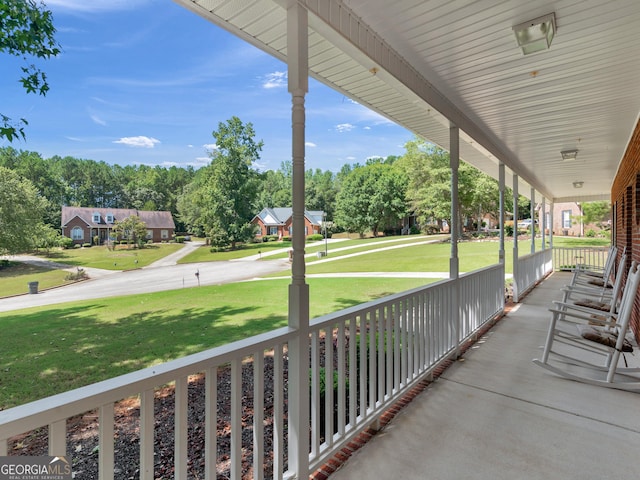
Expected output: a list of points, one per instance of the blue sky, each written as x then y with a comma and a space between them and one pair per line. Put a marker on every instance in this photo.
147, 81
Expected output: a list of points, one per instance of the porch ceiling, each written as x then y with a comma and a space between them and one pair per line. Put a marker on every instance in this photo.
427, 63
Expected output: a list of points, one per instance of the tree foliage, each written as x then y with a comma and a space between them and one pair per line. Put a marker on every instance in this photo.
222, 201
26, 30
21, 212
131, 229
372, 197
596, 212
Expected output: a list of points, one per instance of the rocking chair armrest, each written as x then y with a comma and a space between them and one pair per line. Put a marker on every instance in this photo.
586, 290
585, 313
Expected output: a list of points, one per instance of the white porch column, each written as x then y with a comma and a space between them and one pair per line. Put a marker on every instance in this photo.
551, 205
297, 58
515, 238
543, 222
454, 230
532, 213
501, 258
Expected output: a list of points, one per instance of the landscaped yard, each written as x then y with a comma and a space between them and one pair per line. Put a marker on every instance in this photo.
47, 350
14, 280
122, 258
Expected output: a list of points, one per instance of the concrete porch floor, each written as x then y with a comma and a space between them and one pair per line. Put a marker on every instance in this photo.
495, 415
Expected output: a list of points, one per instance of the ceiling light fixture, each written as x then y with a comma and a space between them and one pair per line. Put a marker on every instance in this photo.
569, 154
578, 184
536, 35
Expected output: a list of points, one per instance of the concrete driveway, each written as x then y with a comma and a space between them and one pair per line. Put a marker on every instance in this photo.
162, 275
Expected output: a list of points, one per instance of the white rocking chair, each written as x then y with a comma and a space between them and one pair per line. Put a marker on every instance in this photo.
572, 345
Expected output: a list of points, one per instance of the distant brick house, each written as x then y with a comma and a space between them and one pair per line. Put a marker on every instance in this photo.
82, 224
277, 221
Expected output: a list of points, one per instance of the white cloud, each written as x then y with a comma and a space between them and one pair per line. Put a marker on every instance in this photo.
98, 120
367, 128
345, 127
310, 144
141, 141
210, 147
202, 160
275, 80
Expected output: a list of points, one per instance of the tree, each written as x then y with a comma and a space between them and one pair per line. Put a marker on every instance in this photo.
21, 211
26, 30
131, 229
372, 197
596, 212
429, 185
223, 199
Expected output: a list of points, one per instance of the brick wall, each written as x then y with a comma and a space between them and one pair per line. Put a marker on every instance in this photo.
625, 199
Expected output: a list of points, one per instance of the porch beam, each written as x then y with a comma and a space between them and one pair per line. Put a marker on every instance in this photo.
298, 425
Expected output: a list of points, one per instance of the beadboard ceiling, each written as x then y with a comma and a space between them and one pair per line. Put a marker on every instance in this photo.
426, 64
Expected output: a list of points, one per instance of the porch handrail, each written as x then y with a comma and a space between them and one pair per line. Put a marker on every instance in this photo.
566, 258
376, 351
529, 270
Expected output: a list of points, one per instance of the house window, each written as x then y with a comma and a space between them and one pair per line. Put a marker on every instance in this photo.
273, 231
96, 218
109, 217
149, 234
164, 234
77, 233
566, 219
306, 230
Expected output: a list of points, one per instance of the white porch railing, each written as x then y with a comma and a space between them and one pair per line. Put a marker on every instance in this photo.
529, 270
565, 258
371, 353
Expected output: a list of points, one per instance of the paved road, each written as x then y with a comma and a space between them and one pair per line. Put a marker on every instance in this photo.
163, 275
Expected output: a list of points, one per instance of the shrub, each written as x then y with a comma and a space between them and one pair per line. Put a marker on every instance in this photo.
269, 238
508, 230
77, 245
286, 238
66, 243
315, 237
96, 240
79, 274
414, 230
180, 239
591, 233
86, 245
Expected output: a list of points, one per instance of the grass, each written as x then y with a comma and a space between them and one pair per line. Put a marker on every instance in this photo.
14, 280
47, 350
122, 258
204, 253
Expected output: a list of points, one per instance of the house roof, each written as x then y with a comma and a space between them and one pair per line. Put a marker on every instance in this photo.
280, 216
428, 65
161, 219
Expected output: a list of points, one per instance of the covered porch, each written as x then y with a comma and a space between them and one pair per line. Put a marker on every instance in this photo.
494, 414
448, 74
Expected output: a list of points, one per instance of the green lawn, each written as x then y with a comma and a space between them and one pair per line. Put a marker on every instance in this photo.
204, 253
122, 258
48, 350
14, 280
